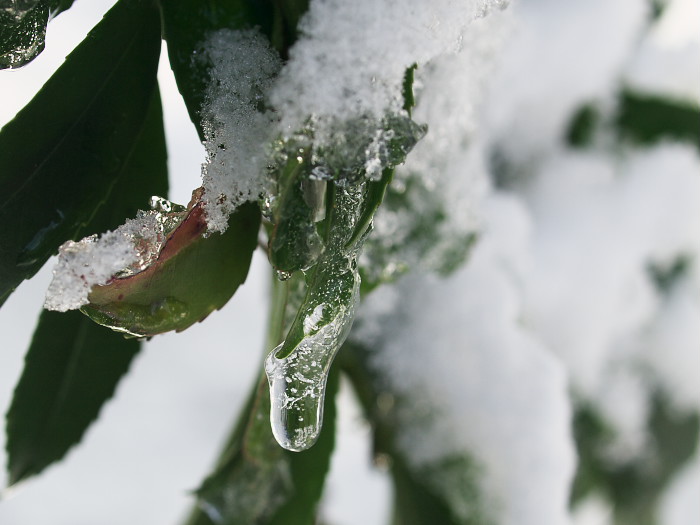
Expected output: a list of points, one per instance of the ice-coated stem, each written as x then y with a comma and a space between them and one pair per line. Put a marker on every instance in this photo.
298, 381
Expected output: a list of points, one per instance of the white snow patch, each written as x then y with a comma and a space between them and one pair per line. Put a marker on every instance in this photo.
671, 345
351, 58
600, 223
94, 261
667, 60
237, 129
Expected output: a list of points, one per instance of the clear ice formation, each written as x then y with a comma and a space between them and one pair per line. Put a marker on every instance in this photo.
298, 381
349, 181
297, 369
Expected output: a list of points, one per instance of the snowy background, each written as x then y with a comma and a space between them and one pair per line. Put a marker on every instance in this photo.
556, 298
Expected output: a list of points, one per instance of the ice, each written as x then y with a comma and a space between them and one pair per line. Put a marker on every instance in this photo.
297, 369
29, 18
298, 382
94, 260
242, 66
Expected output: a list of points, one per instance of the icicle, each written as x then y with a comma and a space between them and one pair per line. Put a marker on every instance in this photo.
298, 381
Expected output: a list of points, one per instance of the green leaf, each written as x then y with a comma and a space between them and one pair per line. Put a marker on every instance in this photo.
91, 360
582, 126
65, 150
256, 481
193, 276
143, 175
647, 119
72, 368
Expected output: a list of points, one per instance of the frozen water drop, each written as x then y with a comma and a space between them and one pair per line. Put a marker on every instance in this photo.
282, 275
298, 381
297, 393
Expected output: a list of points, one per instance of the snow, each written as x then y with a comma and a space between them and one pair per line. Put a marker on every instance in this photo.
680, 505
352, 57
94, 261
561, 55
666, 62
456, 348
242, 67
601, 222
670, 345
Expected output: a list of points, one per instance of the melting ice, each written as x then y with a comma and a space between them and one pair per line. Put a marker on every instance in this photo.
298, 381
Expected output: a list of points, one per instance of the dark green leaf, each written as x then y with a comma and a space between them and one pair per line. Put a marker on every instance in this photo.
65, 150
70, 357
143, 175
259, 483
582, 126
193, 276
647, 119
72, 368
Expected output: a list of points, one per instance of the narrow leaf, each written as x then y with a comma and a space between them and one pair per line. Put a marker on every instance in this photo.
143, 175
72, 368
65, 150
72, 362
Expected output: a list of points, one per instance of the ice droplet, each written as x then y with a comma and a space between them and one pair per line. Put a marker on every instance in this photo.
298, 381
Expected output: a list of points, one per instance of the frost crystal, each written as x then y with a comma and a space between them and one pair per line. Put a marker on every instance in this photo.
94, 261
237, 129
